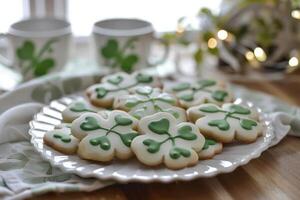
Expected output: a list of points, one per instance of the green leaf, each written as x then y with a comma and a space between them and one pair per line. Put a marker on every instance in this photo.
144, 78
123, 121
127, 138
101, 92
110, 50
187, 97
198, 56
43, 67
128, 62
153, 146
208, 143
62, 136
181, 86
219, 95
213, 51
247, 124
102, 141
176, 152
90, 124
207, 35
160, 127
239, 110
26, 51
209, 109
116, 80
186, 133
206, 83
220, 123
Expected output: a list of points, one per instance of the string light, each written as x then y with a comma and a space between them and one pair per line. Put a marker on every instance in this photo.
249, 55
260, 54
295, 14
293, 62
222, 34
180, 29
212, 43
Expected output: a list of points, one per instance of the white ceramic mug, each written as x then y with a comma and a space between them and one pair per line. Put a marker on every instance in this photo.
37, 46
125, 44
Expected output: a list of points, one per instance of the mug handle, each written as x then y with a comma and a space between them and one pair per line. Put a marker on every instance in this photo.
3, 60
165, 55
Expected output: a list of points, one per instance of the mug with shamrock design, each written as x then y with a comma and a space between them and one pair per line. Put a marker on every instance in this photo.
125, 44
37, 46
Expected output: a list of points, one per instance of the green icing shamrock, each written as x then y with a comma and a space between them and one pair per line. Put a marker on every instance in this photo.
79, 107
62, 136
116, 56
223, 124
118, 80
208, 142
32, 59
190, 90
91, 124
162, 127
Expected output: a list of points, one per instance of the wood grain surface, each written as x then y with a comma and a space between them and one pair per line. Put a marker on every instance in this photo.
274, 175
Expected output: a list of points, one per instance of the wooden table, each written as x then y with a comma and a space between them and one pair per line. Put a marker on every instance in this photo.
274, 175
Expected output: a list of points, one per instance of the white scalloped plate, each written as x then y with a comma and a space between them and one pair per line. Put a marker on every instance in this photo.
232, 156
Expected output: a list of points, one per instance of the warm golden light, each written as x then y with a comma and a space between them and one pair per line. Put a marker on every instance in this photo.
249, 55
295, 14
222, 34
212, 43
260, 54
180, 29
293, 62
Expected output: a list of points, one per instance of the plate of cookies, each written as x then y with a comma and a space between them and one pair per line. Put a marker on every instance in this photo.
136, 127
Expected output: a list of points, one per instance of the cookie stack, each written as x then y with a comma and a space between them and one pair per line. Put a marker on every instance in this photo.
133, 115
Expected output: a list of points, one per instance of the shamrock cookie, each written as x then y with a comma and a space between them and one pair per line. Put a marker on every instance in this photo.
166, 141
147, 101
61, 140
202, 91
75, 109
104, 93
104, 139
211, 148
227, 123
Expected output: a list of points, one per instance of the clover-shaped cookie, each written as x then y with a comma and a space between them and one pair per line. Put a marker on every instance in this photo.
61, 140
103, 139
104, 93
211, 148
75, 109
202, 91
225, 124
166, 141
147, 101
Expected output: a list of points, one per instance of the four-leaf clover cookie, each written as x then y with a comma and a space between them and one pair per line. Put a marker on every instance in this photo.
165, 141
202, 91
61, 140
147, 101
226, 124
104, 139
112, 86
75, 109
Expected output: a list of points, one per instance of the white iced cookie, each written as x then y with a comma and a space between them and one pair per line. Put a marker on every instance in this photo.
112, 86
226, 124
176, 145
61, 140
107, 138
75, 109
210, 149
199, 92
147, 101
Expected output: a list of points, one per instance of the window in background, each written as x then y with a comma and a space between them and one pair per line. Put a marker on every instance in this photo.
163, 14
10, 12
